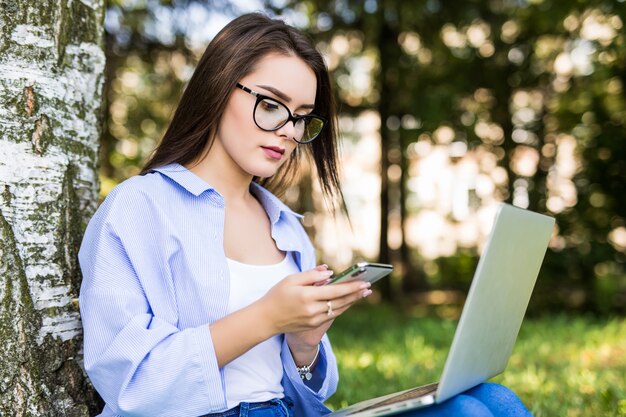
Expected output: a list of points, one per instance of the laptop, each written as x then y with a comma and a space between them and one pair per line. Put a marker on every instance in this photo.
491, 317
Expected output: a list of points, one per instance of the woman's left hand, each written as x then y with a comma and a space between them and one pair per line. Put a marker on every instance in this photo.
303, 344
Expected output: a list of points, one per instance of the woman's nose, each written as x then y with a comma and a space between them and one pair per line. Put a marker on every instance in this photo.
289, 130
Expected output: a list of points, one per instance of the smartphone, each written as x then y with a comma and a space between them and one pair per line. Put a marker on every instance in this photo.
363, 271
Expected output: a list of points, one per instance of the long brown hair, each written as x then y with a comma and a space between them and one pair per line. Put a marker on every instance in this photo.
229, 57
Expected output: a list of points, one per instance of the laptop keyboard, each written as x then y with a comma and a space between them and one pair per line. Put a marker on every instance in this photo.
407, 395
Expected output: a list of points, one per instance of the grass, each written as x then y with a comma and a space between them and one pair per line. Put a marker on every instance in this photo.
561, 366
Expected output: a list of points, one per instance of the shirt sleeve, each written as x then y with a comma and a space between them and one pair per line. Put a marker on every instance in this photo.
326, 365
139, 361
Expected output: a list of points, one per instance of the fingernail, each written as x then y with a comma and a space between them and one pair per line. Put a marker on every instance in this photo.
366, 293
327, 274
365, 285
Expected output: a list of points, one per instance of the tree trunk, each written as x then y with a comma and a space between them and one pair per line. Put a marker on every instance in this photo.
51, 77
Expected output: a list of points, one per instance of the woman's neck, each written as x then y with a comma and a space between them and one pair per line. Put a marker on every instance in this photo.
222, 174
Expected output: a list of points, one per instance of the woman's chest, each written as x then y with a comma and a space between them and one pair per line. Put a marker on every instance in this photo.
248, 237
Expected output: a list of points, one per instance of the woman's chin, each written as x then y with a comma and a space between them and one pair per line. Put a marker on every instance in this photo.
265, 175
264, 172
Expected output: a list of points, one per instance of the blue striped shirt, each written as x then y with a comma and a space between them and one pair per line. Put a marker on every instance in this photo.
154, 277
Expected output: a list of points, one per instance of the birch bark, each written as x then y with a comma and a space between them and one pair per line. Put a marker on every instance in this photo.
51, 79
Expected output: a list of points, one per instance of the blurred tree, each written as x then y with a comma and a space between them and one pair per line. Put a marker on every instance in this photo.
51, 77
151, 48
371, 28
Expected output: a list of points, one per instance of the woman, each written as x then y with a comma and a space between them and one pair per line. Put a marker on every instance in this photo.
201, 295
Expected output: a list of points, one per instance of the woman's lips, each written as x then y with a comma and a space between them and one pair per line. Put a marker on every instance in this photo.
273, 152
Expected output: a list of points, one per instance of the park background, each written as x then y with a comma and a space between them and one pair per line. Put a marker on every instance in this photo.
446, 109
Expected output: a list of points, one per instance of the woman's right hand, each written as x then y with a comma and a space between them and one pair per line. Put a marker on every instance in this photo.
297, 305
300, 301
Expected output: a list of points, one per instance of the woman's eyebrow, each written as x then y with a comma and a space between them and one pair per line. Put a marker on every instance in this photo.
283, 96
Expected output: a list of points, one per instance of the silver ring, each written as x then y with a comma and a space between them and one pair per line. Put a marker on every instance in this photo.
330, 309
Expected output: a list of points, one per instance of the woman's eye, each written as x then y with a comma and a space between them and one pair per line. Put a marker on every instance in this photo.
269, 105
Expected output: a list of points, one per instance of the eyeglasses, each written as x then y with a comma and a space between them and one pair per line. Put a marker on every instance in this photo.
270, 115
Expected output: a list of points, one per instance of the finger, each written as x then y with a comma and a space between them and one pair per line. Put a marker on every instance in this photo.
322, 267
346, 302
336, 312
331, 292
328, 311
333, 308
312, 277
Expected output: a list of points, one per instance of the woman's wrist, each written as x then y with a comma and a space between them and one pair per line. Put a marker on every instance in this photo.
303, 352
305, 371
264, 312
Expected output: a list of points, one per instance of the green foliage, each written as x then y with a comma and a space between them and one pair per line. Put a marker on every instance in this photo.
560, 366
538, 74
152, 49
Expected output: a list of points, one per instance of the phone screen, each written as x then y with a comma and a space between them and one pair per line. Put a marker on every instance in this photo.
363, 271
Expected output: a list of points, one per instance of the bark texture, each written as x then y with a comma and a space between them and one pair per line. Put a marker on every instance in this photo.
51, 78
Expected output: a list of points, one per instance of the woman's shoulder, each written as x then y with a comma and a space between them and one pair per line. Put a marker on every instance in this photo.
136, 205
133, 197
138, 188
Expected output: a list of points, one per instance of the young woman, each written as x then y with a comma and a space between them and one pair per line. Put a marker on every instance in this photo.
201, 294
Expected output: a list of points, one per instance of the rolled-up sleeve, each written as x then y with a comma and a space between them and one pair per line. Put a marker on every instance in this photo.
137, 358
326, 364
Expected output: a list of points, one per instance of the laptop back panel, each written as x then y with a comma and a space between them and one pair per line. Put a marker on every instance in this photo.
496, 303
493, 312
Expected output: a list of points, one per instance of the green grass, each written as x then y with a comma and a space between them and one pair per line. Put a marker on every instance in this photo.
561, 366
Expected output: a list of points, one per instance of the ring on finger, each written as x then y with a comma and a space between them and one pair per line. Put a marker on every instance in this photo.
330, 312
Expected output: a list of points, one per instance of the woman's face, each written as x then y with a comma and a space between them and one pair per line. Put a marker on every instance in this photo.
253, 151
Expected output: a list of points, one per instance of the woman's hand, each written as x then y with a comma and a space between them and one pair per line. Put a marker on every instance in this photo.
299, 307
300, 301
296, 306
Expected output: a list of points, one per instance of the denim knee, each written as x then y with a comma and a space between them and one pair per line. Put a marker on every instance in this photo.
500, 400
458, 406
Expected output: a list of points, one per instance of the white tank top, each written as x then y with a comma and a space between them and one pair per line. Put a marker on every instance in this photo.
255, 376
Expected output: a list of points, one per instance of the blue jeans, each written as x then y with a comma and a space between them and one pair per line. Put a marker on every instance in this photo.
272, 408
485, 400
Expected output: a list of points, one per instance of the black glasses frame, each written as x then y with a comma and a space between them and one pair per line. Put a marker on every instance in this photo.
260, 97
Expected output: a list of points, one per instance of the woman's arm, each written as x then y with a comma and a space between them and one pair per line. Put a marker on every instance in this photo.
137, 358
140, 362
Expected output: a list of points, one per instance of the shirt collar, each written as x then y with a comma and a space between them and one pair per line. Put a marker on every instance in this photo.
272, 204
196, 185
185, 178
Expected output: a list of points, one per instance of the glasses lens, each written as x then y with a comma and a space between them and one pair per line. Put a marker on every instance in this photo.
311, 128
270, 114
